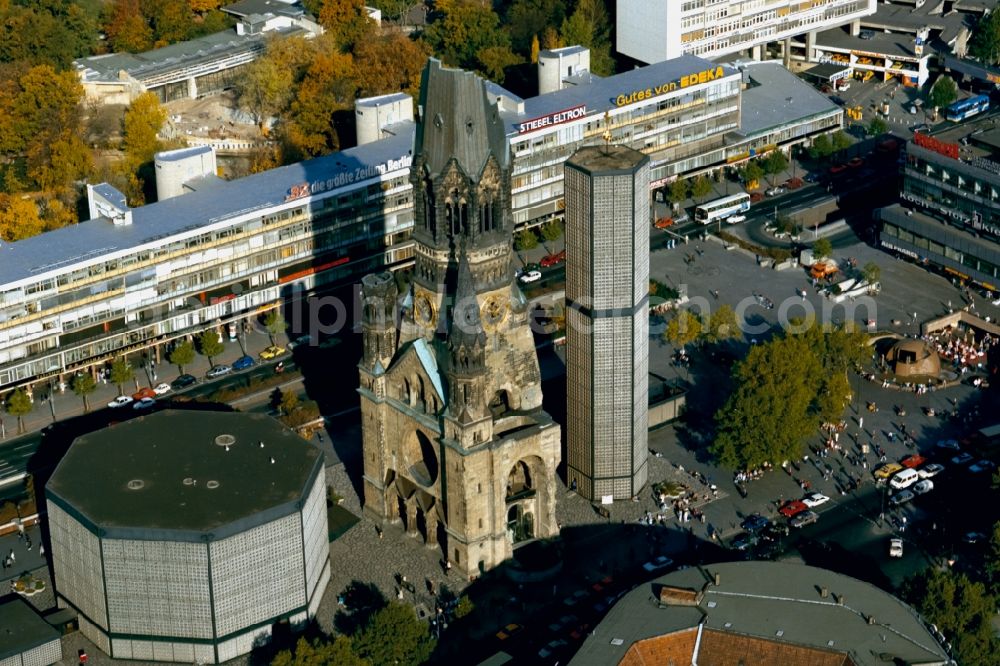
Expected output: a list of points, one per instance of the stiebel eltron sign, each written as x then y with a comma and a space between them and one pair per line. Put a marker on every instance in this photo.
688, 80
551, 119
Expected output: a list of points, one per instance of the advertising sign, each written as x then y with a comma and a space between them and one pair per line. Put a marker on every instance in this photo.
692, 79
552, 119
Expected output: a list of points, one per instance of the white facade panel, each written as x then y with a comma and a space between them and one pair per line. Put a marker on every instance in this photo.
76, 556
316, 534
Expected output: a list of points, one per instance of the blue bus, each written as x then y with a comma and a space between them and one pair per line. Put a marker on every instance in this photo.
967, 108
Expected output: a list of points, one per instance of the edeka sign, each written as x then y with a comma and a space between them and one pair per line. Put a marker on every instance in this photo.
552, 119
938, 146
347, 177
683, 82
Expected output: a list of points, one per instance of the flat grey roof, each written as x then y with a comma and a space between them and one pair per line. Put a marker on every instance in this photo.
379, 100
112, 194
263, 7
777, 98
607, 160
22, 629
181, 153
880, 43
827, 70
31, 257
599, 95
176, 455
902, 17
761, 599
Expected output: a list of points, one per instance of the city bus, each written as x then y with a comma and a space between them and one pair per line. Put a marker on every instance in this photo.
967, 108
722, 208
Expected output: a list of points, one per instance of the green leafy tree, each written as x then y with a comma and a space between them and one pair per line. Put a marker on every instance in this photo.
752, 172
768, 416
552, 231
289, 401
871, 273
962, 610
464, 607
678, 191
822, 248
392, 10
840, 141
209, 345
121, 372
993, 556
495, 60
339, 651
821, 147
526, 19
985, 42
701, 187
463, 29
723, 324
774, 163
683, 329
943, 92
590, 26
83, 384
274, 323
182, 354
839, 349
394, 635
18, 404
877, 127
525, 240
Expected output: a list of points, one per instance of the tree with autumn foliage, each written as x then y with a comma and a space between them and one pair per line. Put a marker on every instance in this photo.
388, 63
18, 217
143, 120
346, 22
266, 86
328, 86
126, 27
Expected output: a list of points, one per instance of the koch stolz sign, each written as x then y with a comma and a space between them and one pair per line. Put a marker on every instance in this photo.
688, 80
347, 177
557, 118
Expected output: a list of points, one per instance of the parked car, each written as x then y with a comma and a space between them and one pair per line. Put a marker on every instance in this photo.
913, 461
183, 382
661, 562
837, 168
274, 351
921, 127
575, 598
145, 403
745, 541
243, 362
776, 190
902, 497
813, 177
529, 277
895, 547
120, 401
736, 219
551, 648
804, 518
904, 479
982, 466
512, 629
550, 260
928, 471
218, 371
160, 389
974, 537
866, 34
530, 266
754, 522
144, 393
301, 341
664, 223
813, 500
856, 162
887, 470
948, 444
923, 487
962, 459
792, 508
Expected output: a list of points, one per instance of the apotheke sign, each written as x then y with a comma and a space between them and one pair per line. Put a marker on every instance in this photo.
347, 177
557, 118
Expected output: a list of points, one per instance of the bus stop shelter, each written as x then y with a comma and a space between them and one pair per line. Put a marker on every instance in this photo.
826, 73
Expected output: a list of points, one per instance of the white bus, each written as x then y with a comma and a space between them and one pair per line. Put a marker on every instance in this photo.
722, 208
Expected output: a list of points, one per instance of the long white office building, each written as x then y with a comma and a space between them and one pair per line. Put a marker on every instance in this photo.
137, 279
655, 30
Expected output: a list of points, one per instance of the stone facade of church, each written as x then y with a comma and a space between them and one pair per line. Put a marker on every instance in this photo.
456, 443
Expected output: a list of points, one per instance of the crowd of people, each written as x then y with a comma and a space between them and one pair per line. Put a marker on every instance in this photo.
962, 351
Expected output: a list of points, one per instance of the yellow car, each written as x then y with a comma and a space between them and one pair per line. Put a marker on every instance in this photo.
887, 470
273, 351
510, 630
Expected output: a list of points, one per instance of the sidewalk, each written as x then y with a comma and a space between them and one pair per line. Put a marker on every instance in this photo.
66, 404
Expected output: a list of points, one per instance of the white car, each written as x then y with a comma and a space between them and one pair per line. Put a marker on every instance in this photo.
923, 487
661, 562
736, 219
895, 547
120, 401
160, 389
145, 403
927, 471
813, 500
530, 276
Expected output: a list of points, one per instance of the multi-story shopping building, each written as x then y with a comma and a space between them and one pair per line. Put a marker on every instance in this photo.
607, 321
136, 279
655, 30
185, 536
951, 193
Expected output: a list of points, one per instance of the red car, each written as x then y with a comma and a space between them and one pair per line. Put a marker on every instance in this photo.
838, 168
856, 162
913, 461
553, 259
792, 508
144, 393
